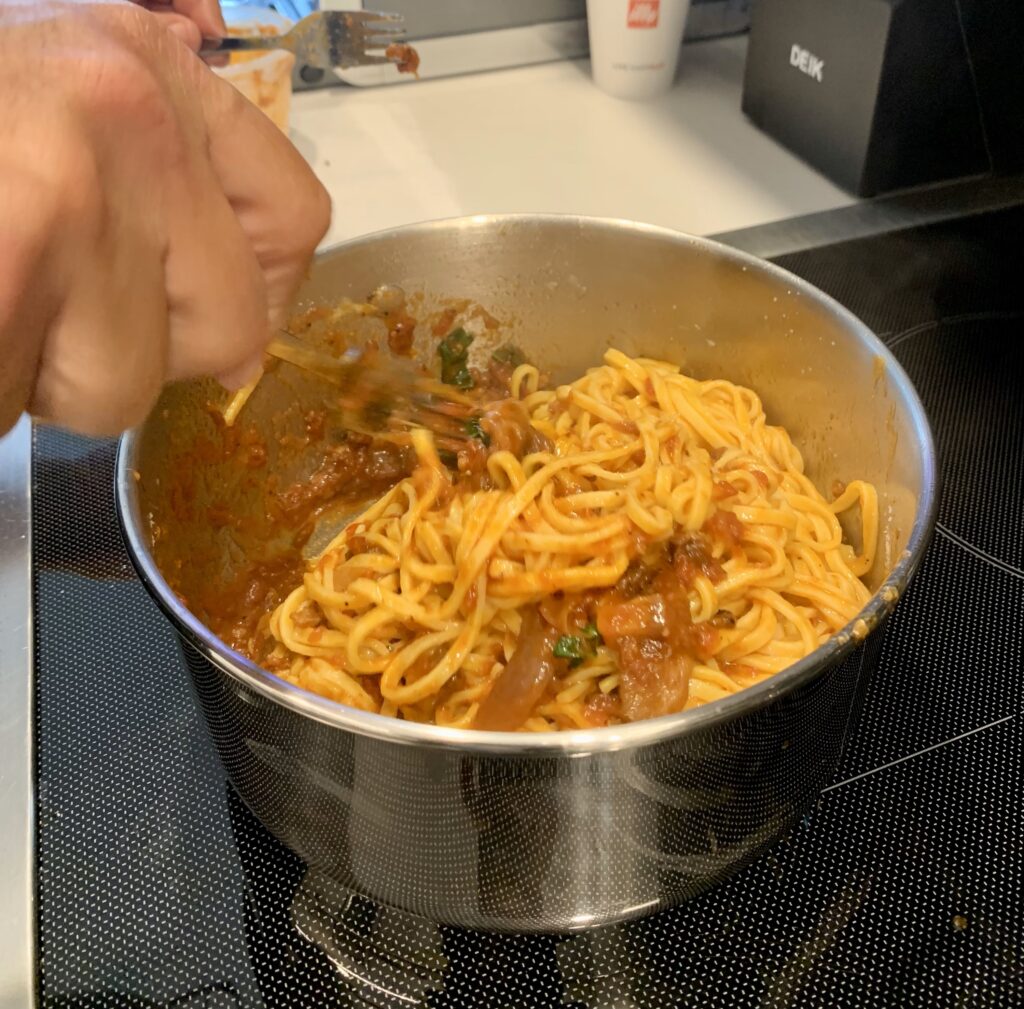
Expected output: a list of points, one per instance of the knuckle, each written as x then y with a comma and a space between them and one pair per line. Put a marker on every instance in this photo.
126, 95
114, 79
115, 64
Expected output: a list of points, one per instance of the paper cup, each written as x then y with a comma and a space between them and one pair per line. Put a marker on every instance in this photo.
634, 45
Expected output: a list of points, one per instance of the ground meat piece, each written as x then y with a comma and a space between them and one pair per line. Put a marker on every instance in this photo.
691, 557
601, 709
352, 470
654, 678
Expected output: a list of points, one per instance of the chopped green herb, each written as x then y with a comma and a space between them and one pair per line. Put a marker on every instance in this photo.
474, 430
578, 647
509, 354
455, 344
570, 647
450, 459
454, 353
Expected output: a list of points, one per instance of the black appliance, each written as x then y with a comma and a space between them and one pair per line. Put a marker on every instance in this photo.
881, 95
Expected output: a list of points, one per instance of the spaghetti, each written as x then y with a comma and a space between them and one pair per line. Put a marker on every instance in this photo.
641, 543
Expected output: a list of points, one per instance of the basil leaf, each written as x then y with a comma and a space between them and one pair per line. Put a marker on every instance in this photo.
570, 647
454, 353
474, 430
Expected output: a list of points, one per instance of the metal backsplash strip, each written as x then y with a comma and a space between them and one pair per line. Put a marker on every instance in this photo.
866, 218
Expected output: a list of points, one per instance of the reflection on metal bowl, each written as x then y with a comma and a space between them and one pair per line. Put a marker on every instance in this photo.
556, 831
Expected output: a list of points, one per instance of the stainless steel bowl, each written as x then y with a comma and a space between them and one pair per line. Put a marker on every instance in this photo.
566, 830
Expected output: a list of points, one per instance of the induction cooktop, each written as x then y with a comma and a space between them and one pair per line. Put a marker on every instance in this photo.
903, 886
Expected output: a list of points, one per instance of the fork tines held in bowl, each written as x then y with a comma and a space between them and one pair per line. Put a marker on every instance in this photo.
378, 392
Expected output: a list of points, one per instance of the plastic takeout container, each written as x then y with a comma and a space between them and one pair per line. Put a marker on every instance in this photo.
264, 78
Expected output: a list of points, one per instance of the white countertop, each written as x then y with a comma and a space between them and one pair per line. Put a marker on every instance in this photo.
544, 138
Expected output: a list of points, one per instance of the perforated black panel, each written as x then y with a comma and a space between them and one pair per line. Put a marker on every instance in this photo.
904, 887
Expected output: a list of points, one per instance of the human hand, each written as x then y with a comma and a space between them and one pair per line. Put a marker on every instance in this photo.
153, 224
191, 20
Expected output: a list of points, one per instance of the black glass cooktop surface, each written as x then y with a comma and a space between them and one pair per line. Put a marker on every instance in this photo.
904, 886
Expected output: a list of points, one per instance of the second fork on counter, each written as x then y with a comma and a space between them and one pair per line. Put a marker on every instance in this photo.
328, 39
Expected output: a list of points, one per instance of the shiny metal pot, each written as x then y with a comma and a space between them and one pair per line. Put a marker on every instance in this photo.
560, 831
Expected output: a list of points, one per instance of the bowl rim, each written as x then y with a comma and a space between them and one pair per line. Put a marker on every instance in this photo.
568, 742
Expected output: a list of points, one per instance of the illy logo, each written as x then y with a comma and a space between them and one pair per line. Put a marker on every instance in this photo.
642, 14
806, 62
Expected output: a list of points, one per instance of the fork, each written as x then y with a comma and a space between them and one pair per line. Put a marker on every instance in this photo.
326, 39
379, 393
